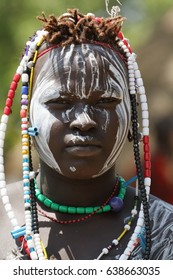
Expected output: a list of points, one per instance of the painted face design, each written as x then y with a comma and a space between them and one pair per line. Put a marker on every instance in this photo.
81, 107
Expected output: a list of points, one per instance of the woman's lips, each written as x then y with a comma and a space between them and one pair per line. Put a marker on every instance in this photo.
83, 146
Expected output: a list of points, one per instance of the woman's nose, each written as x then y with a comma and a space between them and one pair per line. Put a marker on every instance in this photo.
83, 121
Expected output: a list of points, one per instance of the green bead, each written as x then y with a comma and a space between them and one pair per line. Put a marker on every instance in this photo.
41, 197
63, 208
37, 192
72, 210
99, 211
55, 206
106, 208
80, 210
89, 210
47, 202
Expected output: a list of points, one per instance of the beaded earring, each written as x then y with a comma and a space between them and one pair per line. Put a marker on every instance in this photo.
31, 237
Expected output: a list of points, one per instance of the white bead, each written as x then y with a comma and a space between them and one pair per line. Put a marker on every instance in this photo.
33, 255
30, 64
144, 106
32, 175
2, 176
137, 74
24, 125
132, 88
143, 98
27, 204
127, 227
14, 222
123, 257
26, 196
115, 242
134, 212
130, 66
25, 156
145, 114
25, 139
145, 123
132, 91
20, 70
2, 184
141, 214
7, 207
131, 79
105, 251
24, 107
1, 160
1, 143
24, 132
25, 78
39, 251
147, 190
137, 229
25, 164
135, 66
26, 180
139, 82
120, 43
91, 14
30, 243
140, 222
2, 135
147, 181
141, 90
33, 47
10, 214
28, 231
24, 120
145, 131
130, 244
127, 251
1, 152
134, 236
3, 192
5, 199
4, 119
1, 168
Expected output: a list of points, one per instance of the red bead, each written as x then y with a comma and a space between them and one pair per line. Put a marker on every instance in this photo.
146, 139
7, 111
98, 19
120, 35
13, 86
147, 164
9, 102
11, 93
125, 43
16, 78
22, 113
147, 156
147, 173
146, 148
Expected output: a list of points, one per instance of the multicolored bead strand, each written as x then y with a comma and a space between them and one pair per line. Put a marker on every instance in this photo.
3, 127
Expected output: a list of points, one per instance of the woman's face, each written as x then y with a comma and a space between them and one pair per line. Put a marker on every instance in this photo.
80, 105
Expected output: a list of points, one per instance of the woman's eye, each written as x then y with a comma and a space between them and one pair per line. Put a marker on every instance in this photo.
107, 101
58, 102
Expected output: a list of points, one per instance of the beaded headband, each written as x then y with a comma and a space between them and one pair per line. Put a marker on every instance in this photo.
25, 72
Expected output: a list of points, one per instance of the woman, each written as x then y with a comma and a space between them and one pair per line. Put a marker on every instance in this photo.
80, 81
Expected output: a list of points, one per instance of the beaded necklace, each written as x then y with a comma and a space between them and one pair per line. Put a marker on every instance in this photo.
114, 203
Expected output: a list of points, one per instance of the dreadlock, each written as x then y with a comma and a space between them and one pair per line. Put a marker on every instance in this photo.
74, 27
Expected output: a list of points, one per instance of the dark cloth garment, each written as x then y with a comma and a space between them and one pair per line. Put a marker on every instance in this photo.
161, 215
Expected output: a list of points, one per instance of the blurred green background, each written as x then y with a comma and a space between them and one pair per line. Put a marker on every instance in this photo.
149, 27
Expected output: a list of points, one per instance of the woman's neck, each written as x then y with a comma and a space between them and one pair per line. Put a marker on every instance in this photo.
75, 192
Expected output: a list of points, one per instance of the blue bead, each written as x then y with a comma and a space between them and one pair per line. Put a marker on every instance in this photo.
116, 203
24, 90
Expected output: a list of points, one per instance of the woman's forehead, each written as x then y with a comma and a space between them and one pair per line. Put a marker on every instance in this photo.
81, 69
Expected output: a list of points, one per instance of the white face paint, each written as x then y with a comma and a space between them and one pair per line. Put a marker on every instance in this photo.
60, 64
